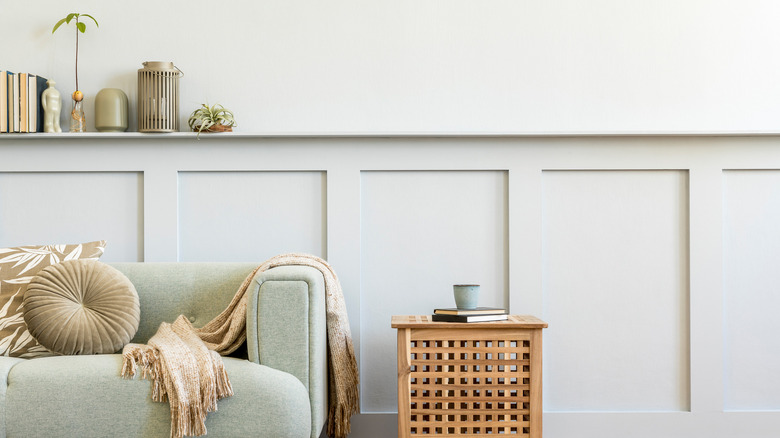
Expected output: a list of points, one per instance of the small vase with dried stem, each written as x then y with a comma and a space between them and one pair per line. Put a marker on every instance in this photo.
78, 122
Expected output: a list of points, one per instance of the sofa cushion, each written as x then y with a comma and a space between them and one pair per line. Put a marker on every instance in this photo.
81, 307
18, 266
6, 363
199, 291
84, 396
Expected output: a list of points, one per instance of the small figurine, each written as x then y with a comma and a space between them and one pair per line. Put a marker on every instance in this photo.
51, 101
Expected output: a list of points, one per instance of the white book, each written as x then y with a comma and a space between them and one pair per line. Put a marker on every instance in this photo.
16, 115
32, 103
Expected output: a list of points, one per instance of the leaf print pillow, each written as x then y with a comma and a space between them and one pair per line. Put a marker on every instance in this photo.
17, 267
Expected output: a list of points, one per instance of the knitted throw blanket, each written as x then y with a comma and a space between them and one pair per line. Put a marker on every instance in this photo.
185, 367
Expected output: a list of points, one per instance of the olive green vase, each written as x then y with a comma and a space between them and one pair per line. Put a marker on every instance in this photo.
111, 110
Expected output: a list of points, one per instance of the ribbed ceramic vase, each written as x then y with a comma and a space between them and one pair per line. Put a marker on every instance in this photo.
111, 110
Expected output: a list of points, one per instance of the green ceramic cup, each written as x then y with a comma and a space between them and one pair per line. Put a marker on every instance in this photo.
466, 296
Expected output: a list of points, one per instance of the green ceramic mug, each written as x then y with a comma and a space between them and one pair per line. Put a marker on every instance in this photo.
466, 296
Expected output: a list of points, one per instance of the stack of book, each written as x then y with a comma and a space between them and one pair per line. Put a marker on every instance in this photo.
480, 314
20, 102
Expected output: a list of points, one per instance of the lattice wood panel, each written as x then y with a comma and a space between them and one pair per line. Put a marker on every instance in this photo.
470, 386
457, 379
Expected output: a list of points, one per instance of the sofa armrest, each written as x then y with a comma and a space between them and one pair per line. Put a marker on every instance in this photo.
286, 330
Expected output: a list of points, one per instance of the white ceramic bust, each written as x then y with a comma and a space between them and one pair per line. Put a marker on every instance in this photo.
51, 101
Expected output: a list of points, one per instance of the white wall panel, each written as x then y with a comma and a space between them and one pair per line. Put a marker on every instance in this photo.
250, 216
74, 207
422, 232
751, 266
615, 283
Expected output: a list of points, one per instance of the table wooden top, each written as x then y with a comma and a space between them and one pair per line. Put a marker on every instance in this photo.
424, 321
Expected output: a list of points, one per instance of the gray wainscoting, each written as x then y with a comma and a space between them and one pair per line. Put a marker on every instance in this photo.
653, 258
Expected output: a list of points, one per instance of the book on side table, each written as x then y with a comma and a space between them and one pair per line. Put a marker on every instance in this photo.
438, 317
479, 314
470, 312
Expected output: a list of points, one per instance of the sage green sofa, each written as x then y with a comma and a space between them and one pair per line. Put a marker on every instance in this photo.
280, 383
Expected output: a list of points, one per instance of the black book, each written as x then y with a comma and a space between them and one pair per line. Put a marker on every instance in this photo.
41, 84
437, 317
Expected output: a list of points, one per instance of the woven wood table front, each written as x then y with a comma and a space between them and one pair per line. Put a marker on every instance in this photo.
469, 378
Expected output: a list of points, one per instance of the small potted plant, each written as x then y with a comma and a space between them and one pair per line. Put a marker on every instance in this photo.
215, 118
77, 120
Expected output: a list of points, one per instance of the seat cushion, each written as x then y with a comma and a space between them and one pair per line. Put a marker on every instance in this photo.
84, 396
6, 364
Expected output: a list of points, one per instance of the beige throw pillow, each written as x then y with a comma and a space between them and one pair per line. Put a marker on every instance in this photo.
17, 267
81, 307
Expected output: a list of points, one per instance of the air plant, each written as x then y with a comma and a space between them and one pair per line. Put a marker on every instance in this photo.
211, 119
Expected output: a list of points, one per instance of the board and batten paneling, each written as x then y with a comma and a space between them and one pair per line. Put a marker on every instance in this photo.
250, 216
751, 239
39, 208
652, 260
615, 278
422, 232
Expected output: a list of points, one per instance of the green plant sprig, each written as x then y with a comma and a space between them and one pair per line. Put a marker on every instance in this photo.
80, 27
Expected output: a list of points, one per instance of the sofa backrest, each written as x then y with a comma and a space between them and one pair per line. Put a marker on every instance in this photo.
199, 291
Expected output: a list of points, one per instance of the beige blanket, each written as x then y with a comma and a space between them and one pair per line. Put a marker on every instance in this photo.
185, 367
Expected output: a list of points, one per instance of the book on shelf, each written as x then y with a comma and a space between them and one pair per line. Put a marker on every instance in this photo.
40, 86
14, 85
3, 102
23, 111
20, 102
9, 101
32, 103
438, 317
477, 311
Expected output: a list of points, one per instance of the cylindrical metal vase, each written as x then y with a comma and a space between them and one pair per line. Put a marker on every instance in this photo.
111, 110
158, 97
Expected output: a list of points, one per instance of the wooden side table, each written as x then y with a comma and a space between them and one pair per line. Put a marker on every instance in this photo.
469, 378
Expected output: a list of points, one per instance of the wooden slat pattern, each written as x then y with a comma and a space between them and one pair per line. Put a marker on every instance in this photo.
475, 380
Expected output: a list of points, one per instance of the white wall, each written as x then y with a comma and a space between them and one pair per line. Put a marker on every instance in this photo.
427, 66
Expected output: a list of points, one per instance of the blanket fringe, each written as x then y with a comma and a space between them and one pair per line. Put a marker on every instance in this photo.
224, 388
339, 420
129, 363
145, 358
136, 356
187, 420
344, 385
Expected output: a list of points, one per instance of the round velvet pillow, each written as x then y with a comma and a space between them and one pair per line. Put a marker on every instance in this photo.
81, 307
